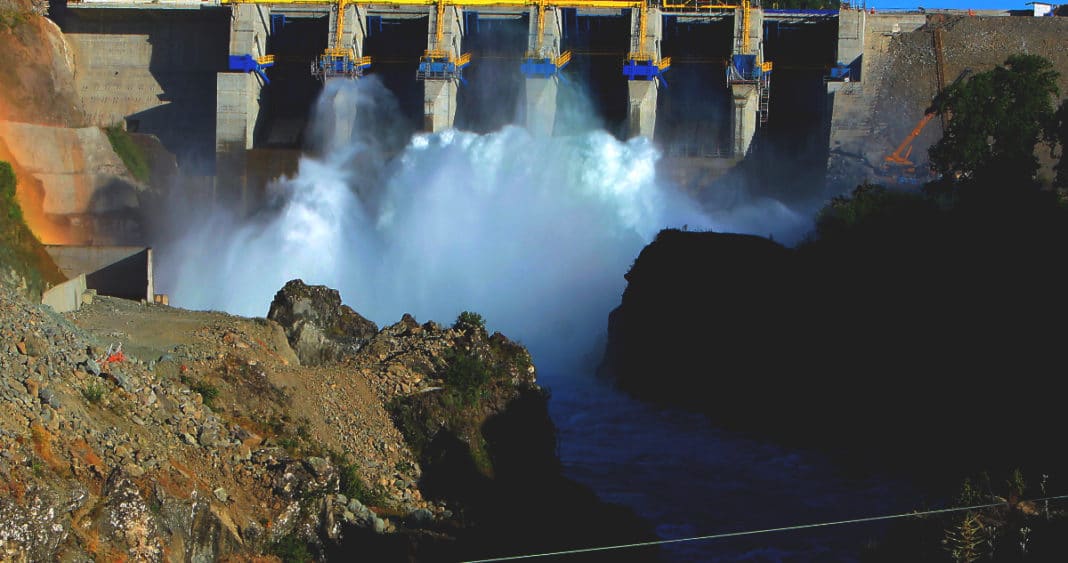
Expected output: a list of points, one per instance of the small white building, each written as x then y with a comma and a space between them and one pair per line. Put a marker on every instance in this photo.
1042, 8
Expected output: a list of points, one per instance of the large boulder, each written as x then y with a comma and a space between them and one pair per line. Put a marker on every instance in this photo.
319, 328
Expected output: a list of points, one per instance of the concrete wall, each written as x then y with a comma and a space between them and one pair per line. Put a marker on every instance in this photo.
153, 69
899, 81
117, 271
67, 296
77, 168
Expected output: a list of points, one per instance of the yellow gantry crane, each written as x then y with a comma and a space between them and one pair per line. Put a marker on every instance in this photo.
438, 62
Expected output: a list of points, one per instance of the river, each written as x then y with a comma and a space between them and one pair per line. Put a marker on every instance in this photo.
690, 479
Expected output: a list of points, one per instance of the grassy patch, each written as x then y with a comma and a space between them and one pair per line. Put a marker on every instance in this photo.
93, 392
354, 487
207, 391
129, 152
291, 549
20, 251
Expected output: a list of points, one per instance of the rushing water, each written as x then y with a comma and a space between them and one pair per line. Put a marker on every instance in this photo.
535, 234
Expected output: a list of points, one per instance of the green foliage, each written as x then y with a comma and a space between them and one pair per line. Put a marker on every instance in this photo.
868, 205
9, 206
207, 391
93, 392
969, 495
467, 373
353, 487
290, 445
20, 251
129, 152
469, 320
292, 549
11, 19
1016, 483
998, 117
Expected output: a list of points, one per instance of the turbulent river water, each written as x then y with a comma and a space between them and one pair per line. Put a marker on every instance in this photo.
535, 234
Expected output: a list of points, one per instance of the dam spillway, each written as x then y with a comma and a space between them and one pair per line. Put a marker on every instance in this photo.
152, 65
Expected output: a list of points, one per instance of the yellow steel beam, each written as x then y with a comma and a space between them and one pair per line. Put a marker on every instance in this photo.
641, 26
745, 27
340, 23
440, 34
697, 5
541, 25
608, 4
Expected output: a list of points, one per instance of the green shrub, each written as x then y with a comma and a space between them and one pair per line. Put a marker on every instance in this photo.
207, 391
467, 373
290, 445
20, 251
469, 320
353, 487
93, 392
129, 152
11, 19
9, 206
291, 549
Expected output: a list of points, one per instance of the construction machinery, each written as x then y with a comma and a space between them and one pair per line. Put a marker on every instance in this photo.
897, 167
248, 63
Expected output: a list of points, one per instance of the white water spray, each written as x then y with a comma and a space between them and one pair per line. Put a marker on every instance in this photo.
533, 233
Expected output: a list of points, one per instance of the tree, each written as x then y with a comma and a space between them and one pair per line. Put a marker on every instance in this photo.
998, 117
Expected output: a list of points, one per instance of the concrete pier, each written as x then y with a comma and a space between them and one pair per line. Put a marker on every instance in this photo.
745, 99
743, 117
439, 97
238, 93
541, 92
642, 94
850, 50
237, 100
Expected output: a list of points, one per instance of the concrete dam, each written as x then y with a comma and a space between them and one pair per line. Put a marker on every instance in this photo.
218, 80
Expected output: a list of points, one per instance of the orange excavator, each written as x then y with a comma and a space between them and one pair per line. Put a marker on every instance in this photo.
898, 161
897, 166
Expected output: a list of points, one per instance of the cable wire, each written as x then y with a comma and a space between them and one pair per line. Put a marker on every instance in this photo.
755, 532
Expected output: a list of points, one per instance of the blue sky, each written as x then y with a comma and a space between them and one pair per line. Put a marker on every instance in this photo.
957, 4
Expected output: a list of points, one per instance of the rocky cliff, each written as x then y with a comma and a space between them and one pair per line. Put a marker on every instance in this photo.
147, 433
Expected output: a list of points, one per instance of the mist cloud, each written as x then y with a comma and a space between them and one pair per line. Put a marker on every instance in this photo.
533, 233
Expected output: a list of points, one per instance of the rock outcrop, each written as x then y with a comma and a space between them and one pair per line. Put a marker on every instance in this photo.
201, 438
879, 341
319, 327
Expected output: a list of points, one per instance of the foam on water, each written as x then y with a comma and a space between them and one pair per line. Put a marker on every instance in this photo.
534, 233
